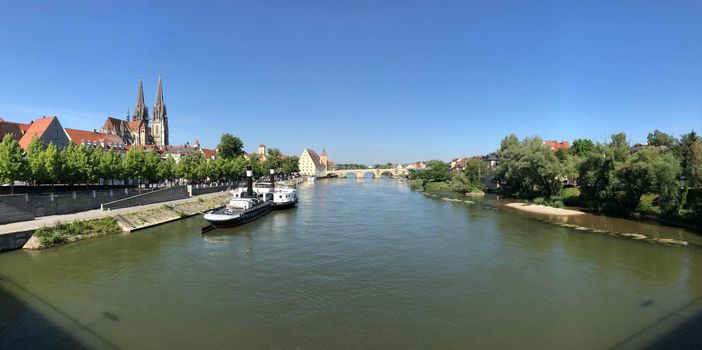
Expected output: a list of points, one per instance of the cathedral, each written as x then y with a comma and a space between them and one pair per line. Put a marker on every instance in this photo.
135, 130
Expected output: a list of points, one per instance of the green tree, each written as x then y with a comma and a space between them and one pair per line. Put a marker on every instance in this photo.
13, 165
52, 164
291, 165
151, 166
689, 151
659, 138
189, 167
110, 166
35, 162
529, 168
167, 169
133, 165
619, 146
76, 165
230, 146
582, 147
475, 171
647, 171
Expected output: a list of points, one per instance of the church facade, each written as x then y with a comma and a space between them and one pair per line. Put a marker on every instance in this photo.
135, 130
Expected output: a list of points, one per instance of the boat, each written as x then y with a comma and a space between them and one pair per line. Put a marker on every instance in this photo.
283, 197
245, 206
311, 179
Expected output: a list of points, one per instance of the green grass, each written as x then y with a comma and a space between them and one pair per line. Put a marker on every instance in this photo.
65, 232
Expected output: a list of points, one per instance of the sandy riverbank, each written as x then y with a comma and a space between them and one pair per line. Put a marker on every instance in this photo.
542, 209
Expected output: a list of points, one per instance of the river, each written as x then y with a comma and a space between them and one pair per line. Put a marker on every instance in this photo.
359, 264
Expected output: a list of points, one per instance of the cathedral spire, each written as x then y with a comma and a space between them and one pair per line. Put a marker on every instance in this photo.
140, 111
159, 93
160, 117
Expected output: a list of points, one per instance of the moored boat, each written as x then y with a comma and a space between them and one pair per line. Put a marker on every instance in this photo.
283, 197
245, 206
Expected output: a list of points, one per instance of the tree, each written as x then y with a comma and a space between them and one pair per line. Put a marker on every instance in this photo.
291, 165
13, 166
273, 161
620, 147
689, 152
582, 147
133, 164
167, 169
189, 167
230, 146
110, 166
35, 162
475, 171
76, 164
659, 138
151, 166
51, 160
647, 171
529, 168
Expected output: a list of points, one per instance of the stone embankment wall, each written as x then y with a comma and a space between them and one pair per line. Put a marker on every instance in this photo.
161, 195
15, 240
142, 219
22, 207
196, 190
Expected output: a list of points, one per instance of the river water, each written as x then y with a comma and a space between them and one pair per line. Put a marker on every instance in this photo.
359, 264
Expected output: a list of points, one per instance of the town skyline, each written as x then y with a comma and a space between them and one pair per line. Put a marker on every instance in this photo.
368, 83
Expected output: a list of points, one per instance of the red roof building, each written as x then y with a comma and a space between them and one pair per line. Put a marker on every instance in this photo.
48, 130
12, 128
555, 145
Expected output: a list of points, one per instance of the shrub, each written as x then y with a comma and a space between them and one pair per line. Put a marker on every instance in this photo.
539, 200
417, 184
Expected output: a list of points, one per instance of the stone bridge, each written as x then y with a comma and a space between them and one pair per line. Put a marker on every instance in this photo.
376, 173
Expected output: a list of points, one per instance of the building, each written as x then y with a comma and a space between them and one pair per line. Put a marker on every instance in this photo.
95, 139
137, 130
555, 145
48, 130
160, 123
328, 165
310, 163
17, 130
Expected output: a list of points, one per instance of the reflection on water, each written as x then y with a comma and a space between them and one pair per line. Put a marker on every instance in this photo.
360, 264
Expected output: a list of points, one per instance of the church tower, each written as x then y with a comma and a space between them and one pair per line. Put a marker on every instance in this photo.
140, 110
141, 114
160, 124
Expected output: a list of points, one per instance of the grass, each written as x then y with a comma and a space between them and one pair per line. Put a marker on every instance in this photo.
73, 231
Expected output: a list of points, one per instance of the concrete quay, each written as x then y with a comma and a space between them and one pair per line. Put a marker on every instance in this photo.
15, 235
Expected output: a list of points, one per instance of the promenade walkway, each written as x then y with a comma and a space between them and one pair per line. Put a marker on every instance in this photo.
90, 214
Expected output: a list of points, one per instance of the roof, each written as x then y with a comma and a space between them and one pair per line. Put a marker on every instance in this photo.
209, 153
134, 125
261, 145
314, 156
16, 129
113, 123
79, 136
36, 128
555, 145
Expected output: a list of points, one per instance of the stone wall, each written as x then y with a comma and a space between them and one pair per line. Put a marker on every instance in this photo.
196, 190
15, 240
57, 203
161, 195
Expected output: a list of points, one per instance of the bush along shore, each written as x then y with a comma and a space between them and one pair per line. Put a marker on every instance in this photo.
659, 180
62, 233
45, 237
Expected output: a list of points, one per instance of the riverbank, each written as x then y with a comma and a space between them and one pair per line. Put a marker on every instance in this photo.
542, 209
20, 234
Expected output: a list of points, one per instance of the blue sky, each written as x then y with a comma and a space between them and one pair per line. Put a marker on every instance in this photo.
372, 81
